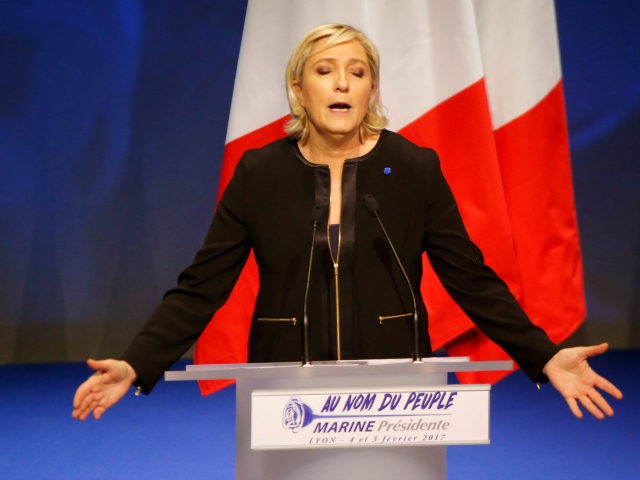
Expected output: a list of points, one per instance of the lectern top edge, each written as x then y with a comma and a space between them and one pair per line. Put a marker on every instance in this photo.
405, 366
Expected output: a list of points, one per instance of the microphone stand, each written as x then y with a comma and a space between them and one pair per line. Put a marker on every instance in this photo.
372, 206
306, 358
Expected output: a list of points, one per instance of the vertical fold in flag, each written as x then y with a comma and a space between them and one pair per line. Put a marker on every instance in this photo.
480, 82
521, 60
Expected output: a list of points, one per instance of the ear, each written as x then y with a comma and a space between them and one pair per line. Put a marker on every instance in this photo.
297, 90
373, 96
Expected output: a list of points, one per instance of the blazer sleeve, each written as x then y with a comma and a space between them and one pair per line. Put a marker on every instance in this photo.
202, 288
474, 286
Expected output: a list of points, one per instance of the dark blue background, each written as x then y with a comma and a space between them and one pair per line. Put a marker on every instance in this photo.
113, 119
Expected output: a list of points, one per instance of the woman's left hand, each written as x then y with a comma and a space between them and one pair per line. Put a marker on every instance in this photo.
570, 373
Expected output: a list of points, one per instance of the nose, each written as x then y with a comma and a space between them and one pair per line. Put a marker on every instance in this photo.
341, 80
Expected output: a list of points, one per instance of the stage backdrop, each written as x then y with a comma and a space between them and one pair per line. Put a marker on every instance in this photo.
113, 119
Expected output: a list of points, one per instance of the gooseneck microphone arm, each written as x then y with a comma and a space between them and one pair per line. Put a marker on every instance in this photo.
306, 358
372, 206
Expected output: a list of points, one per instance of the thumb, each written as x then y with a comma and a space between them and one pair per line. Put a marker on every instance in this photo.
594, 350
97, 365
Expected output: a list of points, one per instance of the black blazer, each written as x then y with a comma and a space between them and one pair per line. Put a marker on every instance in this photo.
360, 308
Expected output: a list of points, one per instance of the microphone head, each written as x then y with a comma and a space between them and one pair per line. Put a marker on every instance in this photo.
371, 203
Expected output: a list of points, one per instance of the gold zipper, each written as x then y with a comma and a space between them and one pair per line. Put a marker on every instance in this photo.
382, 318
336, 277
292, 320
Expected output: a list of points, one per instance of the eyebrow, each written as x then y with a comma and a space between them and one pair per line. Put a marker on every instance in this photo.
334, 60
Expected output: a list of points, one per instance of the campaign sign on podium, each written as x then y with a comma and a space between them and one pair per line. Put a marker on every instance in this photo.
352, 417
373, 419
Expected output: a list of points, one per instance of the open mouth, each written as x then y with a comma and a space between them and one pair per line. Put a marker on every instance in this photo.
340, 107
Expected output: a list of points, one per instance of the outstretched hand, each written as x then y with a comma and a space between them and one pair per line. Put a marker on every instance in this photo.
112, 380
570, 373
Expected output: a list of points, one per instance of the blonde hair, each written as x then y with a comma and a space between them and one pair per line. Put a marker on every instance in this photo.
298, 126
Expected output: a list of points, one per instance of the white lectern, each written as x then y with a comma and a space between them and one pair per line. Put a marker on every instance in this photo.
377, 419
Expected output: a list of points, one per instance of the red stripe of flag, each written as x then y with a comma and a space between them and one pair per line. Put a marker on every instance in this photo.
534, 158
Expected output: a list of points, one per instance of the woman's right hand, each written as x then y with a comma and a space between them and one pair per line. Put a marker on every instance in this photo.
112, 380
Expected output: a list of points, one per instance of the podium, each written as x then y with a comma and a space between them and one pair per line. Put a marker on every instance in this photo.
373, 419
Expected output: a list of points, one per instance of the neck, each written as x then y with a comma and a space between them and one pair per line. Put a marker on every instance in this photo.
335, 148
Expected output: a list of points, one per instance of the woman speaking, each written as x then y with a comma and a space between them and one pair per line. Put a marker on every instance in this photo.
329, 182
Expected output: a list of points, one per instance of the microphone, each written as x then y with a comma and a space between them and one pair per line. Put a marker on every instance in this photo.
306, 359
372, 206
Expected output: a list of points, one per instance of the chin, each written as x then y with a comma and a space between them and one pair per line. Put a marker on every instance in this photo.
343, 129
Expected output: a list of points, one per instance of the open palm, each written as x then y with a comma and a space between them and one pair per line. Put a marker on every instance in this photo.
570, 373
112, 380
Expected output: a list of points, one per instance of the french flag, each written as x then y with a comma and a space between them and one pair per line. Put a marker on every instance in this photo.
481, 83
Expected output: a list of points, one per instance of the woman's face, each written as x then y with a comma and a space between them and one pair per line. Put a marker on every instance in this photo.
335, 88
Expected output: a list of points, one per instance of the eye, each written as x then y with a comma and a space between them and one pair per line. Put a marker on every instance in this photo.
322, 70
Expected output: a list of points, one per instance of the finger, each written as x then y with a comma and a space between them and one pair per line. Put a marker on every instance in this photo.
84, 409
601, 403
81, 393
83, 390
605, 385
91, 402
573, 406
84, 413
591, 407
94, 383
98, 411
80, 413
